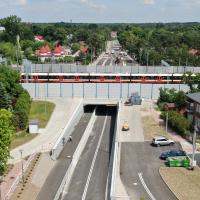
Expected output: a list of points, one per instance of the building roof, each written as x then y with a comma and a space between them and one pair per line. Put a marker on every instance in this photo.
47, 48
34, 122
57, 50
43, 50
39, 37
83, 49
170, 105
194, 96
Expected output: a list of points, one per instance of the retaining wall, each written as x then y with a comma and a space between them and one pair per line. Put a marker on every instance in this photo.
76, 116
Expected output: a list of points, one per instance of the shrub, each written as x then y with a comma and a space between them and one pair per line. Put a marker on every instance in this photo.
177, 122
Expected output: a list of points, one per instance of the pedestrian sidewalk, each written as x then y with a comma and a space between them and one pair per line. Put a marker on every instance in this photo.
48, 136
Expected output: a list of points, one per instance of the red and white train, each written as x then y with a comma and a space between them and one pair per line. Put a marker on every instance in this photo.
100, 78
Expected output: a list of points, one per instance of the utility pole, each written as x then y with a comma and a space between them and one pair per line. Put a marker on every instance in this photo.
166, 125
194, 145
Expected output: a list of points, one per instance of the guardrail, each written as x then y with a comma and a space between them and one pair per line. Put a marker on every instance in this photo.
76, 116
67, 178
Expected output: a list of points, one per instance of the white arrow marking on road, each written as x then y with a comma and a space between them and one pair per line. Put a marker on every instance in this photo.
145, 187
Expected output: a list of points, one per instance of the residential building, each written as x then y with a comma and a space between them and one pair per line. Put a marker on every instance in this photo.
193, 109
45, 52
39, 38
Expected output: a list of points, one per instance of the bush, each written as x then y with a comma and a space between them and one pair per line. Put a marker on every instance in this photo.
177, 122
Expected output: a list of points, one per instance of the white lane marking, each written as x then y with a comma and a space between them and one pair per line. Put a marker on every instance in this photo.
145, 187
93, 161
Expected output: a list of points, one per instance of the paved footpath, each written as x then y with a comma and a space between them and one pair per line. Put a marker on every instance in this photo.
48, 136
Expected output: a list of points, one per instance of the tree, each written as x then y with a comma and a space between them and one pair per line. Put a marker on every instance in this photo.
6, 133
21, 111
180, 100
4, 97
13, 26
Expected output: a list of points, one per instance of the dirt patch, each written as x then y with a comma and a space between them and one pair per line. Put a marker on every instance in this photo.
185, 184
27, 190
152, 128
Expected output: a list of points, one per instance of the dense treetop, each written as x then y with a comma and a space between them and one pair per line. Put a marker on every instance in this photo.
149, 43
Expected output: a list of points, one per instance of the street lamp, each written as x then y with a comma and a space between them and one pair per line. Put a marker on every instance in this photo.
22, 166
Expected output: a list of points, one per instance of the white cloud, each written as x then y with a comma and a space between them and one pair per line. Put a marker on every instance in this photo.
149, 2
93, 5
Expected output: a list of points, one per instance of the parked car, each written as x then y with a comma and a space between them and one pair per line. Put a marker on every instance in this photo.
172, 153
161, 141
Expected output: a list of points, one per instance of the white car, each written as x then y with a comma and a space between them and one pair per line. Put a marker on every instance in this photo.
162, 141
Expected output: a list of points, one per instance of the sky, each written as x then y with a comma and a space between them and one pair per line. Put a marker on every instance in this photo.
102, 11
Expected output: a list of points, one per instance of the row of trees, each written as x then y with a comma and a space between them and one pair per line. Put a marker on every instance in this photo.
14, 109
151, 43
94, 36
172, 96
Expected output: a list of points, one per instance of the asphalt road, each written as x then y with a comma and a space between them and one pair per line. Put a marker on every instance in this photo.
54, 179
93, 186
141, 159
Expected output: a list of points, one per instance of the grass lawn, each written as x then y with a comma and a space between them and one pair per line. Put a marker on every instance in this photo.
42, 111
151, 128
184, 183
39, 110
21, 138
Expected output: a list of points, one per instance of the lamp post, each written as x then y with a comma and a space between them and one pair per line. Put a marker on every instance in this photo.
22, 165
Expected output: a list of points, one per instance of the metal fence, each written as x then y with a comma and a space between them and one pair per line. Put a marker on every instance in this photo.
69, 68
98, 90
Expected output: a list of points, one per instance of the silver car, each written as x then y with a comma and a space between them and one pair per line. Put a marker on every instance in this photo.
161, 141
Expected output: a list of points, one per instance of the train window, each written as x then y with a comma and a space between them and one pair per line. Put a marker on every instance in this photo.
118, 78
135, 77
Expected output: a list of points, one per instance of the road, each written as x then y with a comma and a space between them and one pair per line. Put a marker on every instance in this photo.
56, 175
139, 169
90, 177
110, 56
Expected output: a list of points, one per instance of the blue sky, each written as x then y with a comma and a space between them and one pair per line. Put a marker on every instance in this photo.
102, 10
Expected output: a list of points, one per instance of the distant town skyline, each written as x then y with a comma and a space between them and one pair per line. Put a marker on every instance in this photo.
102, 11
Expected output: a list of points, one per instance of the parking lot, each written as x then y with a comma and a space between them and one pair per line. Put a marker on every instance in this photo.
139, 171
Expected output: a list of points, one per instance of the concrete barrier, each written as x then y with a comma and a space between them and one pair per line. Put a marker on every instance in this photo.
67, 178
76, 116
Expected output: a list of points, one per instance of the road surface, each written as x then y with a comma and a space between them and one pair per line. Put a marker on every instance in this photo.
90, 177
139, 170
56, 175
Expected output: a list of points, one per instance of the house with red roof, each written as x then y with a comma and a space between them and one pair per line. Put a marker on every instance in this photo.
39, 38
193, 51
46, 52
84, 49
